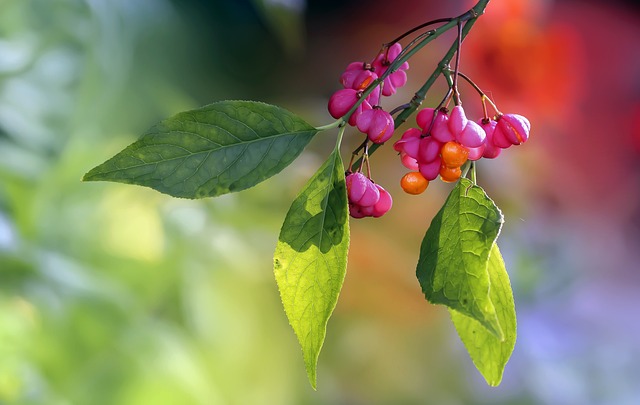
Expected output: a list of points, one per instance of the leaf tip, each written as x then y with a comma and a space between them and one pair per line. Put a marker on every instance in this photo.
313, 382
87, 177
312, 374
494, 383
93, 174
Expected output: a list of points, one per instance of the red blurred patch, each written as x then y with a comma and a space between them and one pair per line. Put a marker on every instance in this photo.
635, 126
518, 59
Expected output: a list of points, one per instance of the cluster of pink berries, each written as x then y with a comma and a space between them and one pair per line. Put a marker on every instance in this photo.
445, 142
369, 117
366, 199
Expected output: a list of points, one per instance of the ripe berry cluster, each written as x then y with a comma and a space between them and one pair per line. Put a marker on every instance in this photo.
444, 142
369, 117
366, 199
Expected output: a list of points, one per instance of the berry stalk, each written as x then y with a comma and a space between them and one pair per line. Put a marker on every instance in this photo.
483, 95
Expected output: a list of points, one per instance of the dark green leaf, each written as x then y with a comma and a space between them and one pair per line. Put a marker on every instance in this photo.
217, 149
490, 354
452, 268
310, 260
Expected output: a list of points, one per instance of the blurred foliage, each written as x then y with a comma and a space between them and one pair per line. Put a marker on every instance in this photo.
119, 295
113, 294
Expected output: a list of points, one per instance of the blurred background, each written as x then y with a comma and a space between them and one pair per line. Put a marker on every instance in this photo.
115, 294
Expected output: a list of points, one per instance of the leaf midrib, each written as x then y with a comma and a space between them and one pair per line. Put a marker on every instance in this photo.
209, 151
325, 203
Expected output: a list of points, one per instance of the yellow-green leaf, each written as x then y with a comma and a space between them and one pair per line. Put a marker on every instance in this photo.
452, 269
490, 354
310, 260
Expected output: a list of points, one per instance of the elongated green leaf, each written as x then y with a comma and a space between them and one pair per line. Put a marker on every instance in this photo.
452, 268
490, 354
310, 260
217, 149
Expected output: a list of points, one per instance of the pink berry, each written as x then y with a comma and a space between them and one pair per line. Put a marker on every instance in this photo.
367, 211
500, 138
341, 102
515, 127
365, 106
431, 170
409, 143
356, 186
384, 203
358, 81
364, 79
476, 153
355, 211
491, 151
394, 51
350, 73
374, 97
429, 149
457, 120
357, 76
386, 58
382, 63
472, 136
440, 129
409, 162
364, 120
488, 126
424, 118
395, 81
371, 195
377, 124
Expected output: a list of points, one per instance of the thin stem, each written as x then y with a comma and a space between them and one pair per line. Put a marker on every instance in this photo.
355, 153
472, 83
485, 97
447, 98
456, 93
353, 156
335, 124
473, 173
465, 169
419, 27
399, 108
436, 111
362, 146
365, 155
413, 43
339, 140
484, 110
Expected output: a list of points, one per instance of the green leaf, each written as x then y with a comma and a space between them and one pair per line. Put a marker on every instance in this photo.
490, 354
452, 269
217, 149
310, 260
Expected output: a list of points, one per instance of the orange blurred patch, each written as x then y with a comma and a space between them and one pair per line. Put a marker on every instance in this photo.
522, 61
381, 282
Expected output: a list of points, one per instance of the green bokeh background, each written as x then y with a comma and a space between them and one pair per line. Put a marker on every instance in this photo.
114, 294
